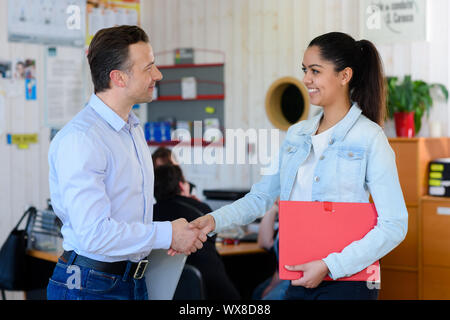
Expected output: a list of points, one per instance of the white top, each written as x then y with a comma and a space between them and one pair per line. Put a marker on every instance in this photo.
302, 189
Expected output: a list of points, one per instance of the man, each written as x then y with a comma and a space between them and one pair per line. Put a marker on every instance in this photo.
101, 179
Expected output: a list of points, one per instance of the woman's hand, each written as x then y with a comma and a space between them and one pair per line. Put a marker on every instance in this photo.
313, 273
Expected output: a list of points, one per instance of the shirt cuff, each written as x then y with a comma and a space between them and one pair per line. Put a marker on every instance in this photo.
217, 222
336, 271
163, 235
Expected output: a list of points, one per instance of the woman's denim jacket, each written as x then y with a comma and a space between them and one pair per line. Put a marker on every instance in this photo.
357, 163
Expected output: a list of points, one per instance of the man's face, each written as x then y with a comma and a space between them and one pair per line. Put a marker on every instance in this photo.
143, 75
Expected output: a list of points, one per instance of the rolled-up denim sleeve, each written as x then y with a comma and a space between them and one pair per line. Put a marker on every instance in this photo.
384, 186
81, 167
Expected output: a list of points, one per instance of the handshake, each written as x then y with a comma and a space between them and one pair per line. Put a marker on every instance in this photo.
187, 237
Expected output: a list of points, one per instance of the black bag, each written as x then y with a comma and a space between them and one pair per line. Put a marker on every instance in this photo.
13, 260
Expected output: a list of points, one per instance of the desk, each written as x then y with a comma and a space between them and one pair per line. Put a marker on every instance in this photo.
41, 266
224, 250
239, 249
43, 255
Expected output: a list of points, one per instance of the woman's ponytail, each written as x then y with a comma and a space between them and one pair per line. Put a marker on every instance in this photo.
367, 87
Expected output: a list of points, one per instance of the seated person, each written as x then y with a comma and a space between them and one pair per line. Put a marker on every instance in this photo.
163, 156
272, 288
173, 202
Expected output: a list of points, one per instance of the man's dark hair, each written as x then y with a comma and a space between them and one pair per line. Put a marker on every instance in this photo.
164, 154
109, 51
167, 179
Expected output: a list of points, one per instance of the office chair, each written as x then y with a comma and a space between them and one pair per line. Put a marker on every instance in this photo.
190, 286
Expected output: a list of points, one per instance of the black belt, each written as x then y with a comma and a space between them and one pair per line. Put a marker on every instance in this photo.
137, 269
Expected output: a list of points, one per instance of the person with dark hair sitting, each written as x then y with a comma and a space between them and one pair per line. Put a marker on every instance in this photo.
173, 202
163, 156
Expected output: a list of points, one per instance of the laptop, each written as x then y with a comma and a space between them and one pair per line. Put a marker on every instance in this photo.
163, 273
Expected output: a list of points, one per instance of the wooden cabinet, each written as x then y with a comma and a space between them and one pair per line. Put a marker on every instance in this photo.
436, 231
436, 283
435, 247
401, 269
406, 254
398, 284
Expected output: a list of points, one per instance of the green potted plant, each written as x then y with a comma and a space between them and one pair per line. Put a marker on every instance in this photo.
408, 101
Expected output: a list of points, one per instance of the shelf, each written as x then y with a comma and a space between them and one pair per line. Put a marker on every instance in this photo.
192, 143
181, 66
210, 92
428, 198
414, 139
199, 97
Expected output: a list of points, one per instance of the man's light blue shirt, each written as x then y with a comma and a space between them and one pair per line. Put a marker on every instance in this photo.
101, 185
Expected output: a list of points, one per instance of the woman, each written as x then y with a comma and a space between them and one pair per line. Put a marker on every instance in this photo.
174, 202
341, 155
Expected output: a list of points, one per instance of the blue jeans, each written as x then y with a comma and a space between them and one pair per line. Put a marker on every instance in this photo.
276, 293
333, 290
71, 282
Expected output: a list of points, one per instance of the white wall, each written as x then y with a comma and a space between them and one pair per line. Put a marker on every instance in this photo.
23, 173
263, 40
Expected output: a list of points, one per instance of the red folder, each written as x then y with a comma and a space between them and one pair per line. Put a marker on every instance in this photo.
310, 231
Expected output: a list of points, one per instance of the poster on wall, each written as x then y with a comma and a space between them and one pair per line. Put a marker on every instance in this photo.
109, 13
64, 84
394, 21
2, 110
56, 22
24, 69
29, 74
5, 69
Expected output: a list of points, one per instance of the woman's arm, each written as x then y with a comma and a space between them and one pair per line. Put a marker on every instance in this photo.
247, 209
384, 186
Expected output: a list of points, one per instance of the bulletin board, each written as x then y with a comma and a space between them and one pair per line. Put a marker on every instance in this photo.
56, 22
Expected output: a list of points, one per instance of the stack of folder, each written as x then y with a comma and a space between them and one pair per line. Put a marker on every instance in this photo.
439, 178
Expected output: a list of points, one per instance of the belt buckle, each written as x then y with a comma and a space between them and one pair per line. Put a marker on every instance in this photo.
140, 270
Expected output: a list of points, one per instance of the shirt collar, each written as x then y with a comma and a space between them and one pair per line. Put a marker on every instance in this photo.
107, 114
341, 128
133, 120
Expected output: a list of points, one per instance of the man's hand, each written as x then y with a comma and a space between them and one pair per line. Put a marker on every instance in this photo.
202, 226
185, 238
313, 273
